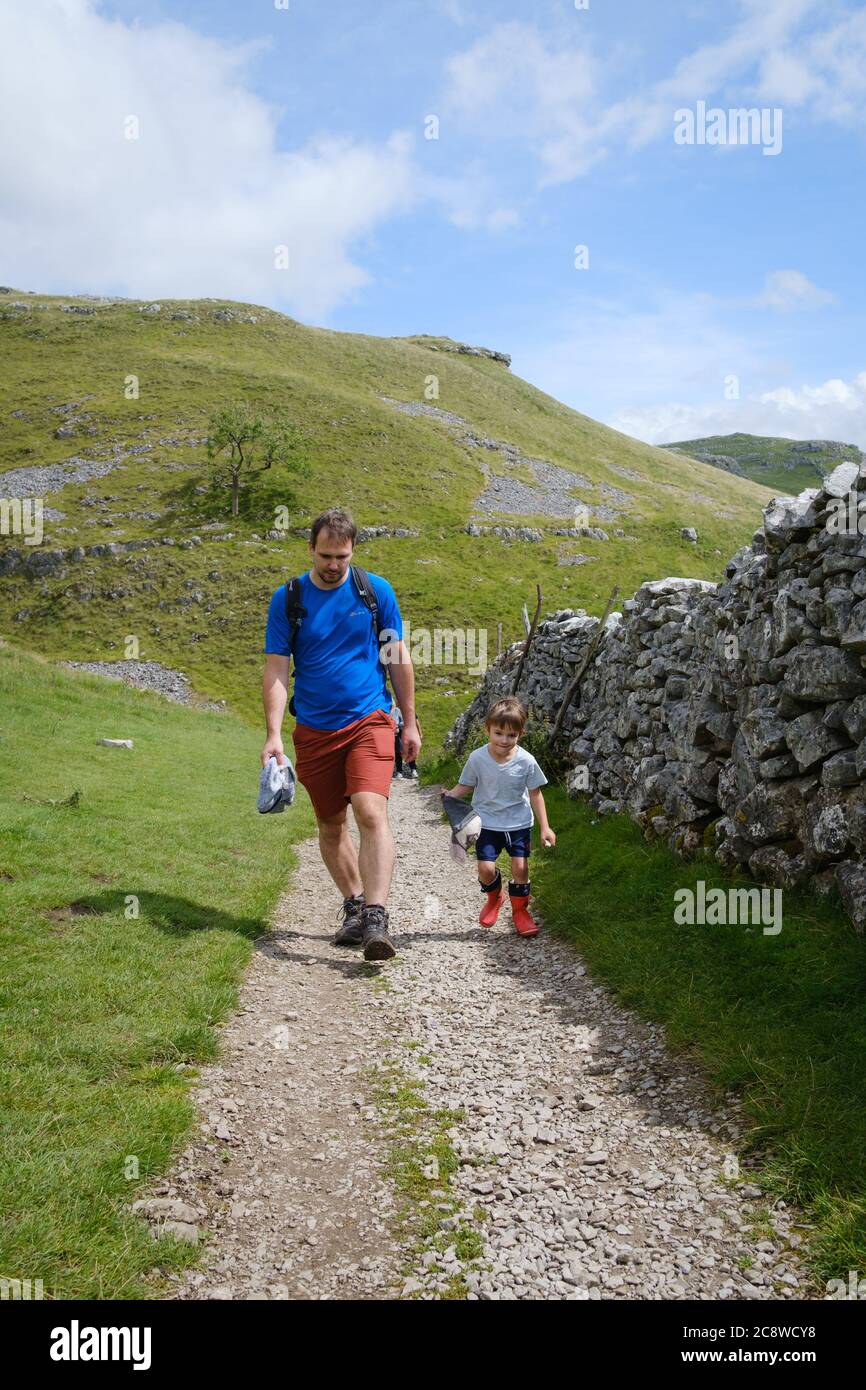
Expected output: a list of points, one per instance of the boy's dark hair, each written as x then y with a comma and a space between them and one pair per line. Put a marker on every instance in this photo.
338, 522
508, 711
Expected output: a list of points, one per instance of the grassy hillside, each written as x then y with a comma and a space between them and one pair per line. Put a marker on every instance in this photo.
203, 609
104, 1012
786, 465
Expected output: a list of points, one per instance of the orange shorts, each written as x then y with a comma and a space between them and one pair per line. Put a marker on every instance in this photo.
333, 763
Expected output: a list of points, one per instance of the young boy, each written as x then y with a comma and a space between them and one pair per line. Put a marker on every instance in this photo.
506, 783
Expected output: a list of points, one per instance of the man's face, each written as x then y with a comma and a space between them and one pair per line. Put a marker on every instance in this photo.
331, 558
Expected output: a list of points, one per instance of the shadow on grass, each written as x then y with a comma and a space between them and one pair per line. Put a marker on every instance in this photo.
172, 915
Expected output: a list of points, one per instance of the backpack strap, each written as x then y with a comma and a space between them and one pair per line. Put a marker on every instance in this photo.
295, 610
367, 593
295, 613
364, 585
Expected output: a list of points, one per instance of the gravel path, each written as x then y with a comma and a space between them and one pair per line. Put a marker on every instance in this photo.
592, 1163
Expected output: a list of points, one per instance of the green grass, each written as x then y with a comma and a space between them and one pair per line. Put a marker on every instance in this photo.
780, 1020
781, 464
386, 467
98, 1007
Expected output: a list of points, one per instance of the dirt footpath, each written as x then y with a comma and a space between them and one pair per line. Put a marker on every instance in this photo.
591, 1163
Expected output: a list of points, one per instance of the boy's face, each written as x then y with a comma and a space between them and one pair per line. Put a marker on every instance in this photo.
502, 738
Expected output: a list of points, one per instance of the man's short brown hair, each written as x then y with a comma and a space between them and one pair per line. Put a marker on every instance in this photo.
509, 712
338, 522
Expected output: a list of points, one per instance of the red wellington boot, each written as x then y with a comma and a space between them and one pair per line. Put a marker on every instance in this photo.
495, 898
524, 923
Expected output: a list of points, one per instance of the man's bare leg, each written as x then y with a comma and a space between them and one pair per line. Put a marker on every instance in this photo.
339, 854
376, 859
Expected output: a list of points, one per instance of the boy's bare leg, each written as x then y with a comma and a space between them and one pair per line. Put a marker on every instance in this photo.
519, 870
339, 854
376, 858
486, 870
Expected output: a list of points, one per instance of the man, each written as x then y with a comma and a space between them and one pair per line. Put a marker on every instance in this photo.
344, 736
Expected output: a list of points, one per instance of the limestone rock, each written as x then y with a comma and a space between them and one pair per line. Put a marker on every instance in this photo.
820, 674
851, 882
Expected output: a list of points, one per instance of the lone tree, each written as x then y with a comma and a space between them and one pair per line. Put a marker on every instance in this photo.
241, 442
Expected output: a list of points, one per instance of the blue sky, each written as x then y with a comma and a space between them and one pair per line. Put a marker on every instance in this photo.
724, 287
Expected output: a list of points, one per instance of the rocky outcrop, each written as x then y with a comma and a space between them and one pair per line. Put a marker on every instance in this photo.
730, 716
34, 564
468, 350
147, 675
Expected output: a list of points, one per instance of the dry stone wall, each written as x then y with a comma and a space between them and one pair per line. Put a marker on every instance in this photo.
731, 715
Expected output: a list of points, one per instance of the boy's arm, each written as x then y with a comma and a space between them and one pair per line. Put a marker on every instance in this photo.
459, 789
536, 801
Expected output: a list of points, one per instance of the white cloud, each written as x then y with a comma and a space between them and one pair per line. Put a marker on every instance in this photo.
453, 10
604, 353
787, 290
824, 69
510, 85
468, 199
835, 409
513, 84
198, 203
664, 373
786, 80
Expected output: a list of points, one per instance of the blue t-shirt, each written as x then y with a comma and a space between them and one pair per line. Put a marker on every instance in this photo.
339, 677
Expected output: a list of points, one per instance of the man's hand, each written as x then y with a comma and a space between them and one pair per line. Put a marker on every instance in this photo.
411, 740
274, 748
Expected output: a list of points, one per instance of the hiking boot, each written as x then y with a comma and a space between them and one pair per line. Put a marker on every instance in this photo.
376, 941
524, 922
350, 932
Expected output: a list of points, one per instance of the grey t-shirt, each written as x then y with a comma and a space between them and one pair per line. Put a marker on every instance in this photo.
501, 795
